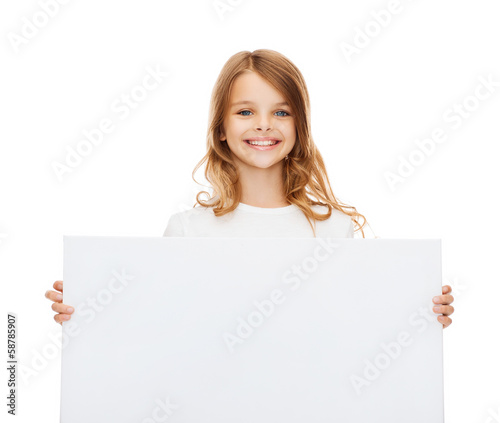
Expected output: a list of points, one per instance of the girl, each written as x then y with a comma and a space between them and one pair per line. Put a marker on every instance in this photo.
263, 166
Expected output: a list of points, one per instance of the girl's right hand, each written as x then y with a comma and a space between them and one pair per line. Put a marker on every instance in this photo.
64, 311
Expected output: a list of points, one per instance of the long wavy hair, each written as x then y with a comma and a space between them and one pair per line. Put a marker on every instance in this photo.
304, 173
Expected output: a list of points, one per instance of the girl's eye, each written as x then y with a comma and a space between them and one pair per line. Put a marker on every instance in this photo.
280, 111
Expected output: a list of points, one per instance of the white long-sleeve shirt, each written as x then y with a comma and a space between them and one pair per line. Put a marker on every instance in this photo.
251, 221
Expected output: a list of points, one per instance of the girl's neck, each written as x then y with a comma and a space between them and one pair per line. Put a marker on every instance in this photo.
265, 205
262, 187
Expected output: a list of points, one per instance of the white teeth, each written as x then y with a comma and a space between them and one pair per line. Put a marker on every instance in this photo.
262, 142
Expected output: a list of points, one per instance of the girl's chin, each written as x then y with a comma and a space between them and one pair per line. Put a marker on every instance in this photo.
263, 163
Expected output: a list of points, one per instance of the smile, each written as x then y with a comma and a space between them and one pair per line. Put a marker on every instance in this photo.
263, 145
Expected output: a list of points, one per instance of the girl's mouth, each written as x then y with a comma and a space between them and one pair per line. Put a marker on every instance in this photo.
263, 145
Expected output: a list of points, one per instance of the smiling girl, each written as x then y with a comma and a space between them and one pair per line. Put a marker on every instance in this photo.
268, 177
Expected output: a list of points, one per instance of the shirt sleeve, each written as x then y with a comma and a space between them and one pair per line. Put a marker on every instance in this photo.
174, 226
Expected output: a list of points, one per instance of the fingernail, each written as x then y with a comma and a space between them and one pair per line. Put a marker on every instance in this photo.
436, 309
59, 297
69, 309
435, 299
59, 286
65, 317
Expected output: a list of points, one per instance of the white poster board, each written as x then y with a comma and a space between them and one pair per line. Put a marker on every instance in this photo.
237, 330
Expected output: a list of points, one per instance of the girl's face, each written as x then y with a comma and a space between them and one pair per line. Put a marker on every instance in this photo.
257, 110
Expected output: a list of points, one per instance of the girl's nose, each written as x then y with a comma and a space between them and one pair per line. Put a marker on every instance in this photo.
264, 124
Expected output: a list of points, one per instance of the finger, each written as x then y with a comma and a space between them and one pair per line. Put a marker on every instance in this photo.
53, 296
444, 309
58, 285
62, 308
446, 289
445, 320
60, 318
443, 299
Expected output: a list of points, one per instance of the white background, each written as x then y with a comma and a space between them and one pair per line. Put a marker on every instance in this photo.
367, 111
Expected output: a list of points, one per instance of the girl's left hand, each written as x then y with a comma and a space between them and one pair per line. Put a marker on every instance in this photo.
443, 306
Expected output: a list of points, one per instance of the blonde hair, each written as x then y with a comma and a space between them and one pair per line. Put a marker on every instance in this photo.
304, 171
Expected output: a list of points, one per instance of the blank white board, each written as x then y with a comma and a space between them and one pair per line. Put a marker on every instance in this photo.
251, 330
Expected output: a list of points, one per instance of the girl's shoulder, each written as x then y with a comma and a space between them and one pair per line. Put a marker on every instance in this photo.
177, 221
336, 214
338, 222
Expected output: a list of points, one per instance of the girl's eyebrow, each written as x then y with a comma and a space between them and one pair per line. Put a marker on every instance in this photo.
284, 103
